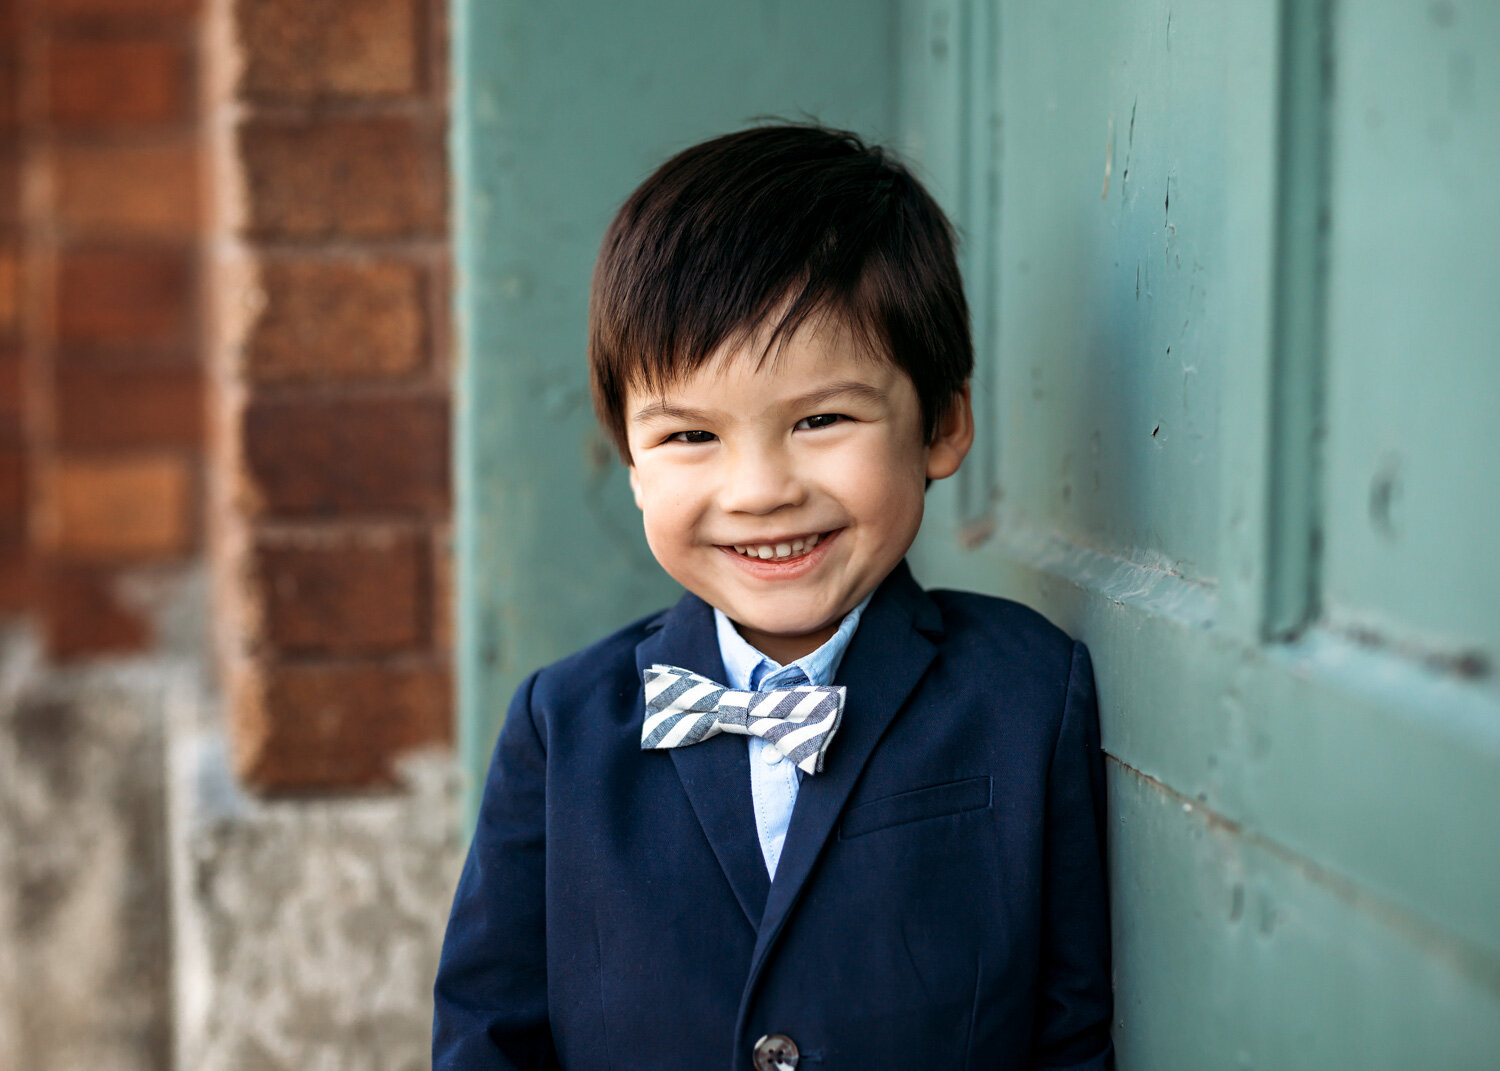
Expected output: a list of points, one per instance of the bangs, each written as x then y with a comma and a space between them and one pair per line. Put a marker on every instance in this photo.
757, 234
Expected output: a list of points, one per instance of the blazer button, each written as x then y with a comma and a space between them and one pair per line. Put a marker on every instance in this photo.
775, 1052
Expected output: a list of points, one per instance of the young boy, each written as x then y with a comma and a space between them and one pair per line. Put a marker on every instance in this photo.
811, 816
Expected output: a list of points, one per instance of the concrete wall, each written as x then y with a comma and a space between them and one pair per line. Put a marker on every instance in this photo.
84, 926
307, 932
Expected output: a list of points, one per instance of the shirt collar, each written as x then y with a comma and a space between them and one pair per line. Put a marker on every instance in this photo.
748, 669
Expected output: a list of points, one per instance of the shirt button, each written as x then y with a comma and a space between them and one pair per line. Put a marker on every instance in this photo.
769, 755
775, 1052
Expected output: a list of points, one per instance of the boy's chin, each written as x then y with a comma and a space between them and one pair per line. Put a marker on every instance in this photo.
780, 635
787, 622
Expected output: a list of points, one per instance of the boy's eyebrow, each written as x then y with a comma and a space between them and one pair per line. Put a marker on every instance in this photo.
852, 387
661, 409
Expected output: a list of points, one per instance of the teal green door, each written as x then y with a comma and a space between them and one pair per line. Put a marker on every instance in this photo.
1232, 269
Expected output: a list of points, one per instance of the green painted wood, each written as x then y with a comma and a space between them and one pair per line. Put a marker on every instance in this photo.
1273, 965
559, 110
948, 115
1413, 484
1231, 269
1294, 552
1287, 586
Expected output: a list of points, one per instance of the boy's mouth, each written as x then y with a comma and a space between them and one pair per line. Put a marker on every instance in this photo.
781, 550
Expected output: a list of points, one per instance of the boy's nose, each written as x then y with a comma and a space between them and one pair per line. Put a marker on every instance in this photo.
760, 481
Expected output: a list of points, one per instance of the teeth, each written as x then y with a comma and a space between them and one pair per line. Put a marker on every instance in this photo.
767, 551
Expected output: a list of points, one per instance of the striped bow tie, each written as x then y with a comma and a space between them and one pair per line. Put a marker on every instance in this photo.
683, 708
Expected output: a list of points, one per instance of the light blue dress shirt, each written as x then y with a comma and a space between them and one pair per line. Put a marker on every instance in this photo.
773, 779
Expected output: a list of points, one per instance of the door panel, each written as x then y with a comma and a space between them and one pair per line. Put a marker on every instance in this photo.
1413, 483
1273, 537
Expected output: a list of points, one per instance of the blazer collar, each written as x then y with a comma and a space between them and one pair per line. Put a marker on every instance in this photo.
888, 655
716, 773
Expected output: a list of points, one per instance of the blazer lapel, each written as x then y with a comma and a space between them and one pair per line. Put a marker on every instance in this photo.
885, 660
715, 773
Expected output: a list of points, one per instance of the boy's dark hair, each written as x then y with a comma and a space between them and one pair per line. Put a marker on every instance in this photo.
788, 219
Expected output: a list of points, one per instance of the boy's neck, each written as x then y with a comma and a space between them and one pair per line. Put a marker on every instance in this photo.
784, 650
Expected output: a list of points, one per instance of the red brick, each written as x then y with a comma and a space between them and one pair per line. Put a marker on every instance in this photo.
124, 8
368, 177
83, 615
332, 456
313, 48
345, 594
337, 320
12, 390
339, 725
10, 190
10, 289
116, 296
122, 507
10, 93
122, 406
128, 189
16, 587
12, 492
442, 589
117, 82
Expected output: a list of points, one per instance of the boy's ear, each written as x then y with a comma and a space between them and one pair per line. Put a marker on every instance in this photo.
955, 434
635, 486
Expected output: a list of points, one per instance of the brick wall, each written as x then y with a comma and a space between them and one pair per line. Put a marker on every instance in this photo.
101, 385
328, 383
224, 328
14, 550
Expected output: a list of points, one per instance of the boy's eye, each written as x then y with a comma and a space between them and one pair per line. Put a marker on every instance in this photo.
822, 420
691, 437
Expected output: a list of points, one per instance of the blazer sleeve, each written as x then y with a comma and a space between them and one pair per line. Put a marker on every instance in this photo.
1074, 1003
490, 998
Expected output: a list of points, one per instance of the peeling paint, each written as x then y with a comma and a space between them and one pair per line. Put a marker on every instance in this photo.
1154, 583
1385, 497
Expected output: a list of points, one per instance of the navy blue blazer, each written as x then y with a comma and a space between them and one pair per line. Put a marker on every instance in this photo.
940, 901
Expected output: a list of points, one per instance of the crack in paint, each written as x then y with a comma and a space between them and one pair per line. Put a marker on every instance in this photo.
1109, 158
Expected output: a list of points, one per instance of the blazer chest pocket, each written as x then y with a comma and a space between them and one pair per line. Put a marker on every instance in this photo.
934, 801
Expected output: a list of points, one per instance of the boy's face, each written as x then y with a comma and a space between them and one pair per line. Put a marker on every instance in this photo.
784, 494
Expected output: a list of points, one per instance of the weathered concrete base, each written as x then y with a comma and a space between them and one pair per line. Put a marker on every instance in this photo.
307, 931
84, 932
154, 916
